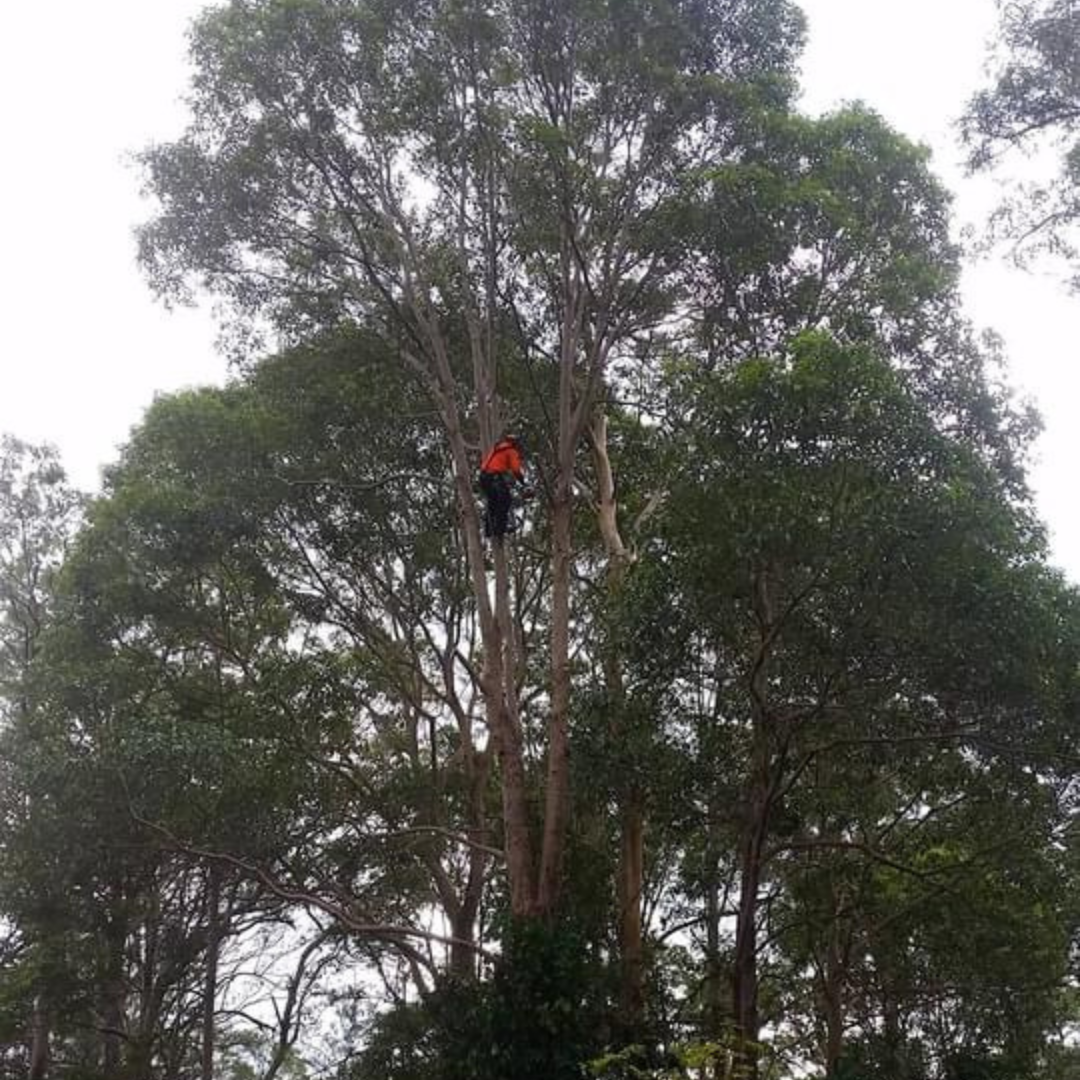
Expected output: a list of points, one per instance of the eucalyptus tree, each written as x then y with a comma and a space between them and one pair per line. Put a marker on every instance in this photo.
921, 910
555, 208
276, 565
839, 224
463, 171
200, 707
1033, 104
848, 586
835, 223
39, 512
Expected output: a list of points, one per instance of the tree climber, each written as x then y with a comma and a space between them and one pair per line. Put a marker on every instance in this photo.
500, 473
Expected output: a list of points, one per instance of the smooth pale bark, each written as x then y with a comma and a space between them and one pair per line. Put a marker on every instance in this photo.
607, 505
510, 750
631, 869
557, 793
493, 677
462, 957
571, 417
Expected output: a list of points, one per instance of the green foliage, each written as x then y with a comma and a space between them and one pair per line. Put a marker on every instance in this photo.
685, 1062
246, 1056
833, 222
1033, 102
824, 528
300, 110
231, 666
542, 1014
832, 680
39, 511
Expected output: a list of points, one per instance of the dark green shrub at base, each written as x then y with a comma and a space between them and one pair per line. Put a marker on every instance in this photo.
540, 1017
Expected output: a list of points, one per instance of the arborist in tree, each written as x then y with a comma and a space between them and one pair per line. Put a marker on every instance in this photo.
501, 473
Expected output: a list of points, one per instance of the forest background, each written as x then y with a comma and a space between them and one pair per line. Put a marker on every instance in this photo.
752, 756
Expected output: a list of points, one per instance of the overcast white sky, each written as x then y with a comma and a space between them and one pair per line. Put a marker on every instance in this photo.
83, 347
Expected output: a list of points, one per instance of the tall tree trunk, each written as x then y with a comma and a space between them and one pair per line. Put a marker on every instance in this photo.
744, 970
462, 957
498, 678
834, 973
504, 727
764, 779
113, 993
39, 1039
557, 801
714, 980
511, 753
631, 886
572, 414
631, 871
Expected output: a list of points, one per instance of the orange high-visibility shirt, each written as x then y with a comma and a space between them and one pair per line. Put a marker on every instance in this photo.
503, 457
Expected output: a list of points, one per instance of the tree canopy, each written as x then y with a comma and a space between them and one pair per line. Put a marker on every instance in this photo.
751, 755
1033, 104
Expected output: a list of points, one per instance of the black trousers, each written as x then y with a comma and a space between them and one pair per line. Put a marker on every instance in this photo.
500, 501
